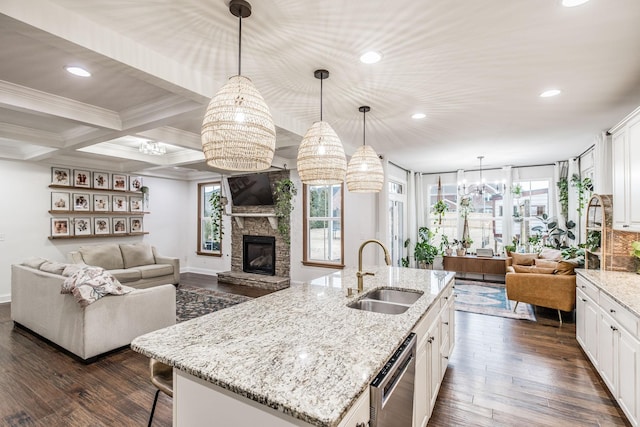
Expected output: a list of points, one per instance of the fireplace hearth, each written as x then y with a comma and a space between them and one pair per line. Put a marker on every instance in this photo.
259, 254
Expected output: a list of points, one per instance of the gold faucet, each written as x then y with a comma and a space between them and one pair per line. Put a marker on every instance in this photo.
360, 274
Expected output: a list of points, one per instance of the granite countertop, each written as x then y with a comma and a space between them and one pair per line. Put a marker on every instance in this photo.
624, 287
300, 350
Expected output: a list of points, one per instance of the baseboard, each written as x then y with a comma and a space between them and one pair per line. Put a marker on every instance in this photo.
199, 271
5, 298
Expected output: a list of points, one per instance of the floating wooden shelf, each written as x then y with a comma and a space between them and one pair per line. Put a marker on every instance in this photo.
80, 213
239, 217
92, 190
98, 236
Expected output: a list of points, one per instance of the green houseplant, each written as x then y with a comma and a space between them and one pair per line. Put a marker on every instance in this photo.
439, 209
283, 194
424, 252
635, 251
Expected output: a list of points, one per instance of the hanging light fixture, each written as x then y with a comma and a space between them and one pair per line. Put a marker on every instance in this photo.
152, 147
238, 131
480, 188
321, 159
364, 172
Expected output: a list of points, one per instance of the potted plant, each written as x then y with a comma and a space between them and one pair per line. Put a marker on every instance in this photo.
284, 192
424, 252
445, 246
216, 217
635, 251
439, 209
460, 250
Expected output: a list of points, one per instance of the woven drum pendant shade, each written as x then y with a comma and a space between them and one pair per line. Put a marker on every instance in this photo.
364, 173
321, 158
237, 131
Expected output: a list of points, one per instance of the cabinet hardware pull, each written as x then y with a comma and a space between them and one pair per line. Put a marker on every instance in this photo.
446, 298
446, 323
613, 328
584, 300
583, 286
446, 357
612, 310
625, 226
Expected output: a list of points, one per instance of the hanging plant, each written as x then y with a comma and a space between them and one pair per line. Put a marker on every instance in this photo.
216, 216
439, 209
563, 196
584, 187
284, 192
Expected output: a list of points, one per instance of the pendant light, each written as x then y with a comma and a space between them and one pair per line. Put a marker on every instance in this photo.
364, 173
321, 159
237, 131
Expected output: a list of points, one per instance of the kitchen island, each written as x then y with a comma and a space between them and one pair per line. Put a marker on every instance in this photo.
299, 356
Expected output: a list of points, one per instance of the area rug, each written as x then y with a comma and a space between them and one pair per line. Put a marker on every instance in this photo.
192, 302
489, 298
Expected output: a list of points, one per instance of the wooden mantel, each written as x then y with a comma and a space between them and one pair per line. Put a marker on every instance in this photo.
239, 217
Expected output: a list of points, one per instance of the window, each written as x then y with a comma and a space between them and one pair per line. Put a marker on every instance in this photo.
209, 241
530, 202
397, 201
323, 221
448, 224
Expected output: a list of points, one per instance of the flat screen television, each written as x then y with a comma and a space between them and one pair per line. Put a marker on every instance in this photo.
250, 190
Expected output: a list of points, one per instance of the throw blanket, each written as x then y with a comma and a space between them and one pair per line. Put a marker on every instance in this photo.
89, 284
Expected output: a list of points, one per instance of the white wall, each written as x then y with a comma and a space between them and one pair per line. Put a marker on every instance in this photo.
25, 221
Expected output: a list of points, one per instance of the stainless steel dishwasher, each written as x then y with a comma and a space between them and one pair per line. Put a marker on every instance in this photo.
392, 388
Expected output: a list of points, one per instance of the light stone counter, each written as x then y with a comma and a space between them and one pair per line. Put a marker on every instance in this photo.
301, 350
623, 287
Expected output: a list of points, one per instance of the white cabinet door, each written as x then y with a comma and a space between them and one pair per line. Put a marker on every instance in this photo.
607, 343
581, 301
627, 361
358, 415
421, 396
619, 146
633, 175
433, 363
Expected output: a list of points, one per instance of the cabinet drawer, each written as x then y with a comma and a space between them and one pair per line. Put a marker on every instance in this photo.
587, 287
446, 296
623, 316
425, 323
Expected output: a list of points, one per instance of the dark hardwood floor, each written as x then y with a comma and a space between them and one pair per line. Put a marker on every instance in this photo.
503, 372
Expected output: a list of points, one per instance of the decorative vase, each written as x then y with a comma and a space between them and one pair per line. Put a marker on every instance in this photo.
461, 252
448, 251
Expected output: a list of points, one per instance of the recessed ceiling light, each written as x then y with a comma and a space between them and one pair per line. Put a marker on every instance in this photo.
370, 57
549, 93
77, 71
418, 116
572, 3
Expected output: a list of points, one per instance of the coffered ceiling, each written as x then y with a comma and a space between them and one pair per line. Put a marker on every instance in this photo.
475, 68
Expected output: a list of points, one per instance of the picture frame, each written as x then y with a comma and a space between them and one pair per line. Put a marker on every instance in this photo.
135, 183
82, 226
101, 225
119, 182
101, 203
60, 201
60, 227
119, 225
81, 178
81, 202
135, 204
135, 224
61, 176
101, 180
119, 203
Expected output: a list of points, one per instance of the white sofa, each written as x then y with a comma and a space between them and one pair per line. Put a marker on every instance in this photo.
136, 265
109, 323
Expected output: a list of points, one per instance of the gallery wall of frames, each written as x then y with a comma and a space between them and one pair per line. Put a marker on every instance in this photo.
87, 204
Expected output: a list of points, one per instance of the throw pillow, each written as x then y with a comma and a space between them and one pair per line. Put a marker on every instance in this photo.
545, 263
533, 269
567, 267
137, 254
34, 262
523, 259
107, 256
53, 267
550, 253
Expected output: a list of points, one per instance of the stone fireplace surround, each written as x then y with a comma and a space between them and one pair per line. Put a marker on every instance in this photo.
258, 226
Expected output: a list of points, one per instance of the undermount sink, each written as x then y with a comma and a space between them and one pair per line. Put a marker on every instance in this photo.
387, 301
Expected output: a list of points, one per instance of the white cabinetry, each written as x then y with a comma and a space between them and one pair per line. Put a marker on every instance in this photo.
626, 173
608, 333
436, 338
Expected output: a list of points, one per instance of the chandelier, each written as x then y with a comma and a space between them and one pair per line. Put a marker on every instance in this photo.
481, 188
238, 131
153, 148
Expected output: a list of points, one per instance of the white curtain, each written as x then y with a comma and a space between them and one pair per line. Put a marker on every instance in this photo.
412, 213
507, 209
460, 226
